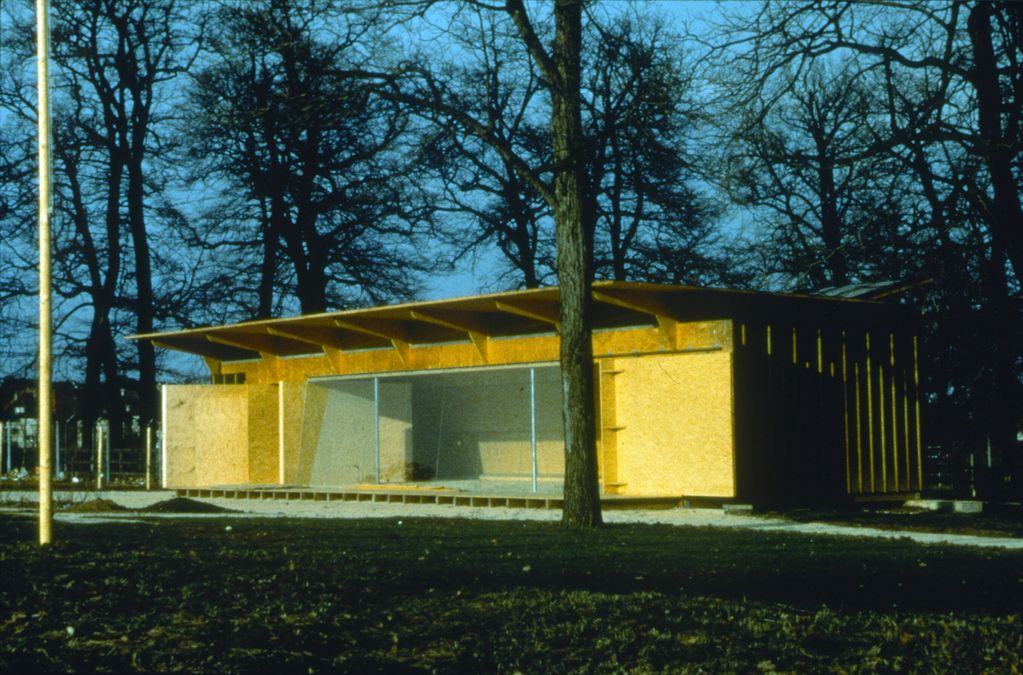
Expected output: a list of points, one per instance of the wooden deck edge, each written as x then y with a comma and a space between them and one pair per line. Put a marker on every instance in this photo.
519, 501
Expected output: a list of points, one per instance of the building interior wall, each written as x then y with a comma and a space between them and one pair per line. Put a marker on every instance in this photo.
338, 434
478, 424
395, 429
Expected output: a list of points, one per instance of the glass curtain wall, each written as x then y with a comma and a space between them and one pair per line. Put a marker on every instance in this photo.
497, 429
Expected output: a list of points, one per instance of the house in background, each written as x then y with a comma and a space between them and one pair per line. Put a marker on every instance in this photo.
753, 397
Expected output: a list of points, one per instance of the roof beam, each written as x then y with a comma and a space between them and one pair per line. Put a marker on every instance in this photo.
544, 312
476, 328
463, 321
336, 358
382, 328
646, 302
640, 301
205, 349
324, 338
266, 345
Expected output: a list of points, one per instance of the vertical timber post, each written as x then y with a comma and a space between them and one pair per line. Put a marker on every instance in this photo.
149, 456
163, 436
280, 433
44, 398
99, 457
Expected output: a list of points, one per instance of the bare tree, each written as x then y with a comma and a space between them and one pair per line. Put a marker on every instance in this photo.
640, 115
326, 169
481, 192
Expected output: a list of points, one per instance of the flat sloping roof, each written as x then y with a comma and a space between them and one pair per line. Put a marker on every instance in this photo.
616, 304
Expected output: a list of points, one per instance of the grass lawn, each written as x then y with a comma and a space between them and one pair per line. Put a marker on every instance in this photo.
222, 594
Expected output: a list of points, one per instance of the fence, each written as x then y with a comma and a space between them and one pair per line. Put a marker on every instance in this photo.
82, 452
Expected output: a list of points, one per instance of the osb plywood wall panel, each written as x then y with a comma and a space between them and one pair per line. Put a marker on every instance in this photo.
292, 396
338, 435
395, 430
264, 455
675, 414
206, 435
313, 409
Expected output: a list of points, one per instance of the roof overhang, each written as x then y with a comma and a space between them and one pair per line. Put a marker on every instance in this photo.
498, 315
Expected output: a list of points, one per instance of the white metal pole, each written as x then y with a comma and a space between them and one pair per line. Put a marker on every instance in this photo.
45, 309
376, 425
532, 423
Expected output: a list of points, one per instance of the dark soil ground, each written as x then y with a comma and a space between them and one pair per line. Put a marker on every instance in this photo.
233, 594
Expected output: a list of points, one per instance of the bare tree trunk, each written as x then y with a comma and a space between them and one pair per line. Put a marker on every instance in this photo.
573, 215
267, 266
1006, 213
144, 301
831, 226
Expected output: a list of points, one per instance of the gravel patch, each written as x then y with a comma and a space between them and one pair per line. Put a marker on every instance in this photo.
137, 502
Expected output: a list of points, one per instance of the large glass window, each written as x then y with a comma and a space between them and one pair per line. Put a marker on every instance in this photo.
497, 429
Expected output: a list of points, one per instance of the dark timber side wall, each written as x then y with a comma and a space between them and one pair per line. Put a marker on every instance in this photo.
825, 412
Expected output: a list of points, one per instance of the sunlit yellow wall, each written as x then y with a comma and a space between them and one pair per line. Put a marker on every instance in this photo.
292, 399
674, 419
206, 426
264, 458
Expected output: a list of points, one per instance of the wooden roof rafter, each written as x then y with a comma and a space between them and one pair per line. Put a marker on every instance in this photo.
324, 338
656, 305
202, 347
544, 311
677, 312
473, 325
387, 329
265, 345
